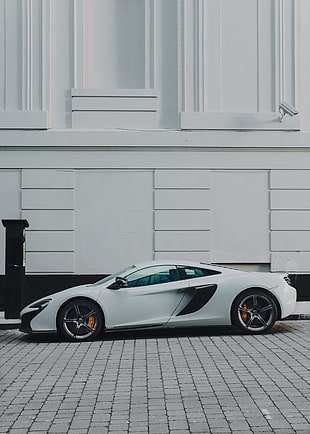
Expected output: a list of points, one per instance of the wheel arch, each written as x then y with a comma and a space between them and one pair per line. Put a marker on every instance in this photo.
83, 297
266, 291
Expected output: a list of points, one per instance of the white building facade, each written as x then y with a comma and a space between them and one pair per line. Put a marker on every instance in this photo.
140, 129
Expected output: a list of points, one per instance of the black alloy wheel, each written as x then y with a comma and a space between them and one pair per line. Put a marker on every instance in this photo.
79, 320
254, 311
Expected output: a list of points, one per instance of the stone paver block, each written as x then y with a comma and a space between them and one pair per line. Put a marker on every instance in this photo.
213, 381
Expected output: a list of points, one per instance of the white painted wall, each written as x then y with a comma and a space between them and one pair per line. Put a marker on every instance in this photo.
114, 219
150, 128
182, 214
119, 60
212, 65
48, 203
97, 220
10, 203
240, 217
290, 215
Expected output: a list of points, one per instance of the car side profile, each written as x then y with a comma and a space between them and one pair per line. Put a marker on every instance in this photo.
164, 294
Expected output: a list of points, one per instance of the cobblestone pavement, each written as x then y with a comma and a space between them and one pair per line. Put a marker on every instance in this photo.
212, 380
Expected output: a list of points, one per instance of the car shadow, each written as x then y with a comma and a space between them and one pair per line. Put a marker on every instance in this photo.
210, 331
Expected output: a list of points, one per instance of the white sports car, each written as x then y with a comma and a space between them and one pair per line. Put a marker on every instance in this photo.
164, 295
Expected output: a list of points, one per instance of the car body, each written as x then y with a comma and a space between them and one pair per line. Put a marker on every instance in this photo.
164, 294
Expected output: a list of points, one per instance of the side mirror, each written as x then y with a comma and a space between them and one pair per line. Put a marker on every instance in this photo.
120, 282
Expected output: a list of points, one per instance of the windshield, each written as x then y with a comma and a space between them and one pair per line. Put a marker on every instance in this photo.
113, 276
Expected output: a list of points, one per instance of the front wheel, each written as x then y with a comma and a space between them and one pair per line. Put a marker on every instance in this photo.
79, 320
254, 312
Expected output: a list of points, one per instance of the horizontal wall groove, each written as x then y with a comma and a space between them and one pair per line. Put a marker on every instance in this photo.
182, 251
116, 96
43, 211
290, 230
182, 230
182, 209
49, 230
51, 252
114, 111
47, 188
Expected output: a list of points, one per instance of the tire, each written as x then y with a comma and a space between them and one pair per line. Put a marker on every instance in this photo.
254, 312
79, 319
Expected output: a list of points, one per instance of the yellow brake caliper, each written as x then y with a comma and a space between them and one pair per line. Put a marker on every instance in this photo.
244, 314
91, 321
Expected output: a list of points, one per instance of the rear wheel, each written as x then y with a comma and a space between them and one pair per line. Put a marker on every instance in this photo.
254, 311
80, 320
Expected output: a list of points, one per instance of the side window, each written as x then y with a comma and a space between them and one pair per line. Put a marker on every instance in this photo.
153, 276
194, 272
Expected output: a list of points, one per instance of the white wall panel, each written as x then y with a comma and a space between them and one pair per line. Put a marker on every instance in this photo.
239, 42
290, 220
114, 219
184, 179
2, 51
304, 35
49, 262
49, 219
182, 199
286, 241
115, 103
47, 199
48, 204
12, 54
24, 62
22, 119
114, 119
47, 178
182, 241
107, 252
62, 68
10, 197
119, 108
50, 241
290, 199
182, 220
114, 44
240, 217
290, 179
290, 227
182, 217
294, 262
189, 256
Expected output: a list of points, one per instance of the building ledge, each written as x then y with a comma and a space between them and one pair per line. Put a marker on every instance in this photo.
121, 138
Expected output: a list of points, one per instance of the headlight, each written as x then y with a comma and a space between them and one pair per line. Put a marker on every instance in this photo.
40, 304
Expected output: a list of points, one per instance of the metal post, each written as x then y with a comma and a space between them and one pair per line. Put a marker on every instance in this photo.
14, 267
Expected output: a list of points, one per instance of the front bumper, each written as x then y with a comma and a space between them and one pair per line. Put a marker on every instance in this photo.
26, 318
29, 313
